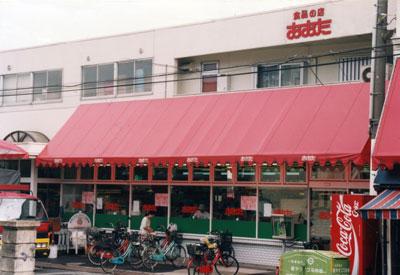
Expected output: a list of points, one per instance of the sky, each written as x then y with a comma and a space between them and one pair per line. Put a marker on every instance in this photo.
27, 23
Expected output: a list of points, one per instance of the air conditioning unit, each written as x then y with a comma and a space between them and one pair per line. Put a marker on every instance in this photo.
188, 67
366, 72
223, 83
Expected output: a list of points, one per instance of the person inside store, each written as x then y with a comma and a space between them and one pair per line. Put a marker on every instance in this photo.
145, 225
201, 213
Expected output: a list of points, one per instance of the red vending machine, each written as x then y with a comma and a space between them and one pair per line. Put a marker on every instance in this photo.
351, 235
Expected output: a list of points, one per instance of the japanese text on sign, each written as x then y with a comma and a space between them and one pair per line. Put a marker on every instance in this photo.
312, 24
248, 203
161, 199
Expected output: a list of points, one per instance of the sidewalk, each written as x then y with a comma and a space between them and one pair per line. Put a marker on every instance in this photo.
80, 263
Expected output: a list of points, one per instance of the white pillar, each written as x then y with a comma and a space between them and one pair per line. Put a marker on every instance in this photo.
34, 178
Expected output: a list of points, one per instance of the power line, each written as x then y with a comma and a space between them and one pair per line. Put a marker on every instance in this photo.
291, 59
188, 79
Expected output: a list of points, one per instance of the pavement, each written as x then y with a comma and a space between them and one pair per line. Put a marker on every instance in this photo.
80, 265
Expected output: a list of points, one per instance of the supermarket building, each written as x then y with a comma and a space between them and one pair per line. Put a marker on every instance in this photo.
247, 117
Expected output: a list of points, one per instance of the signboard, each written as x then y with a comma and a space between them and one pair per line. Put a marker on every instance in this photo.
161, 199
88, 197
248, 203
309, 23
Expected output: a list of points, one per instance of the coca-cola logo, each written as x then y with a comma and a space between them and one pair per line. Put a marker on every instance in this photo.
347, 236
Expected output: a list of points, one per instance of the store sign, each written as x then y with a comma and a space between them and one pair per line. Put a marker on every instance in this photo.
248, 203
309, 23
88, 197
161, 199
345, 231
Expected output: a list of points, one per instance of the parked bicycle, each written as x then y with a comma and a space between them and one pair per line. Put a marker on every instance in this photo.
224, 238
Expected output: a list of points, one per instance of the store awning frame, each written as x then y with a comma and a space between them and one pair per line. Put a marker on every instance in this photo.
11, 151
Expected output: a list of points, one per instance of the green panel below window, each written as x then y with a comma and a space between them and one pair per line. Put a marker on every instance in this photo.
265, 231
155, 221
190, 225
238, 228
104, 220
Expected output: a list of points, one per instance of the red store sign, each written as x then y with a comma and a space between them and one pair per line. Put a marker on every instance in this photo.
309, 23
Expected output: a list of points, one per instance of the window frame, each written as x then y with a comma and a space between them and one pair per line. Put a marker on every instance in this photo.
83, 97
47, 84
302, 74
209, 74
29, 88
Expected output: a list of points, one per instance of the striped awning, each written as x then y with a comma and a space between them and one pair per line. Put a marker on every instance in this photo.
385, 206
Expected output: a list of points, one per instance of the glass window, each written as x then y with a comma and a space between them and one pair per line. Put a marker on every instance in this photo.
160, 173
76, 198
295, 173
290, 74
282, 201
25, 168
209, 77
201, 173
360, 172
246, 173
89, 76
143, 73
270, 173
87, 172
106, 80
49, 172
9, 164
104, 173
234, 210
39, 85
15, 88
54, 81
9, 87
328, 172
149, 199
125, 77
47, 85
223, 173
180, 173
24, 81
49, 194
70, 172
122, 173
112, 205
141, 172
267, 76
190, 208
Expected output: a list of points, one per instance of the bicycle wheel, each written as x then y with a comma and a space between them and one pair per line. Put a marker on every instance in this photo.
106, 260
178, 256
193, 266
94, 254
228, 266
148, 262
135, 257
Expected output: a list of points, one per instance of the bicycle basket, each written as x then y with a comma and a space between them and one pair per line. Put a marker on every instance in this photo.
195, 250
177, 238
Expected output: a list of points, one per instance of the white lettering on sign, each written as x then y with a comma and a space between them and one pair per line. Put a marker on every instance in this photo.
143, 160
192, 160
57, 161
308, 158
246, 158
98, 160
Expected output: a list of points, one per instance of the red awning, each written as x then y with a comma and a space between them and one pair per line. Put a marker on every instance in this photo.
323, 123
387, 146
11, 151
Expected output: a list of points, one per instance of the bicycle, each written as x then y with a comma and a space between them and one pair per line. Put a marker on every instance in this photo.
207, 257
225, 240
129, 250
169, 250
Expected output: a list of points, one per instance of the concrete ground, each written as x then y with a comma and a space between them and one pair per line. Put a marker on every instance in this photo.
79, 265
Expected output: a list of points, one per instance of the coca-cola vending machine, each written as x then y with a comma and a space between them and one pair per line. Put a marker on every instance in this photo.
351, 235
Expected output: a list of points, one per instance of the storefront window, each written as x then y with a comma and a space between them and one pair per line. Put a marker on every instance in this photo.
223, 173
190, 208
270, 173
77, 198
295, 173
104, 173
49, 172
9, 164
87, 172
180, 173
321, 217
141, 172
328, 172
122, 173
246, 173
25, 168
160, 173
201, 173
234, 210
149, 199
70, 172
282, 201
49, 194
112, 205
360, 172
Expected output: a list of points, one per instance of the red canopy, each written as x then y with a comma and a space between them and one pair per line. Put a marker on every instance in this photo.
387, 146
11, 151
322, 123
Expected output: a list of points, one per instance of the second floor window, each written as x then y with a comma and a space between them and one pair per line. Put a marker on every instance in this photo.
98, 80
209, 76
279, 75
16, 89
47, 85
134, 76
350, 68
